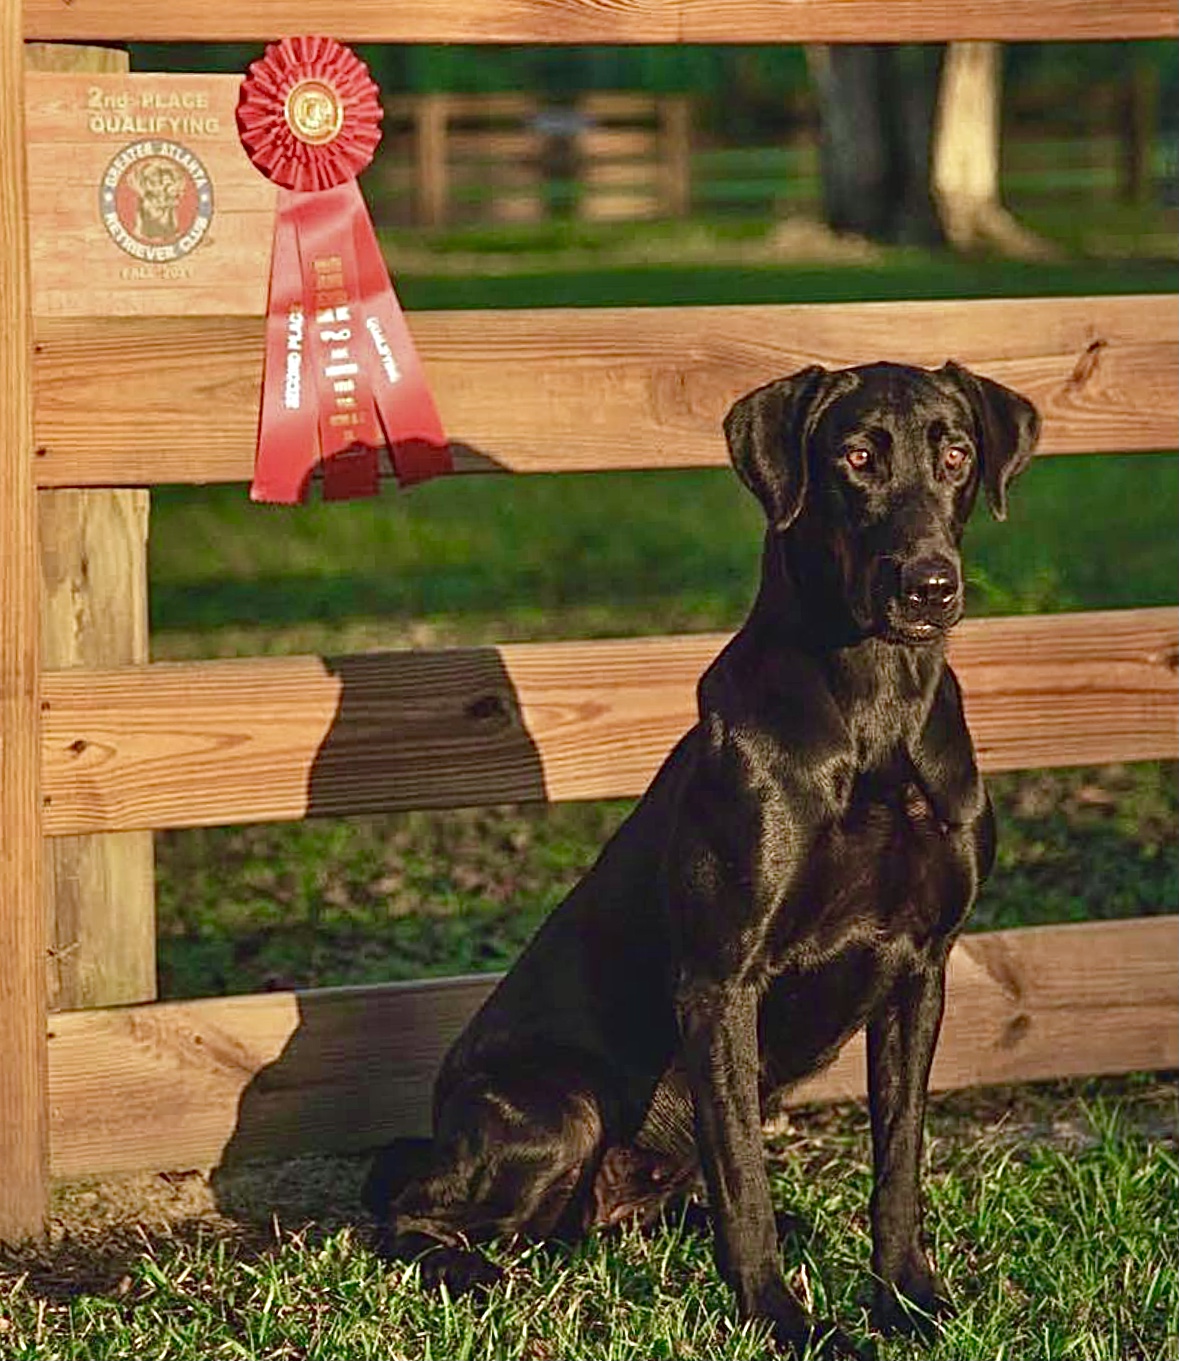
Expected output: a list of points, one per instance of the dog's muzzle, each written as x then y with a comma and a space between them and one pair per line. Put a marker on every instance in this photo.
920, 598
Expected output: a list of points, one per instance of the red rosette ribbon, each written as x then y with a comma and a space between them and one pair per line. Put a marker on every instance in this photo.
342, 378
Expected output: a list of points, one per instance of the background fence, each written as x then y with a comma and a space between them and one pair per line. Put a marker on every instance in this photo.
462, 159
453, 158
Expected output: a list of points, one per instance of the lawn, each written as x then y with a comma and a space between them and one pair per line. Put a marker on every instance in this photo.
1054, 1210
1053, 1213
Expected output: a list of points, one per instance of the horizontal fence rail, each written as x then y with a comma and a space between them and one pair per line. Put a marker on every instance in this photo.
192, 1084
591, 21
205, 743
586, 389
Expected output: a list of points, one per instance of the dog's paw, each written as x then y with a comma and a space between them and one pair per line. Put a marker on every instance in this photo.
912, 1309
823, 1341
463, 1271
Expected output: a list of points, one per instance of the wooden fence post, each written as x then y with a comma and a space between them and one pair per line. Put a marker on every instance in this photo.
24, 1100
429, 123
99, 890
675, 134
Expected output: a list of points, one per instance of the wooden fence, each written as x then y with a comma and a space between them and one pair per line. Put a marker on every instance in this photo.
513, 158
102, 394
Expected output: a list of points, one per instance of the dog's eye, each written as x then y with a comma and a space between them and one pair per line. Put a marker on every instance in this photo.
858, 457
955, 457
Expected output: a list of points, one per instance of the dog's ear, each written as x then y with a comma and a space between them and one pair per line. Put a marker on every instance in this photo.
765, 431
1008, 426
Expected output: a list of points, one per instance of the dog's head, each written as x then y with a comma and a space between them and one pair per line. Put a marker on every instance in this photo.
872, 472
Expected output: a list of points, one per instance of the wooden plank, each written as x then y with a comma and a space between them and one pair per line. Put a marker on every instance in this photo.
187, 1075
475, 107
484, 145
619, 181
619, 106
130, 401
100, 890
1045, 1002
590, 21
191, 1084
24, 1146
764, 21
625, 205
608, 143
478, 108
204, 743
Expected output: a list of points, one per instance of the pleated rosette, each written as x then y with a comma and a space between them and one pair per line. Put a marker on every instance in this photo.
342, 379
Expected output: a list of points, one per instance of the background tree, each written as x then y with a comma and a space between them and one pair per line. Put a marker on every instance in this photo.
964, 162
876, 106
909, 145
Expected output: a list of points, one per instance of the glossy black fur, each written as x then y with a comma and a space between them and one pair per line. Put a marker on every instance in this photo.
797, 870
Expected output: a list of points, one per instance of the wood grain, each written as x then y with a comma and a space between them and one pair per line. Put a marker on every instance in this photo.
203, 743
133, 401
597, 21
100, 890
24, 1104
193, 1084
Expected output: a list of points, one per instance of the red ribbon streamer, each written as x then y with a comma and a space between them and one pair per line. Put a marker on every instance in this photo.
342, 377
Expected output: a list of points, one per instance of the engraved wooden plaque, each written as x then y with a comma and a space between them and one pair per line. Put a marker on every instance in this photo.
141, 199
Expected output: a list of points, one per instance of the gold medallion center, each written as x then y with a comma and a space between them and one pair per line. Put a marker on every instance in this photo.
314, 112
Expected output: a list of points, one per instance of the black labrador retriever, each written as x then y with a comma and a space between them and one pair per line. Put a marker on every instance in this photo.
798, 869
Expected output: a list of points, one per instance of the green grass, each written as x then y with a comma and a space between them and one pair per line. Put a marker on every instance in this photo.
1053, 1217
905, 274
483, 558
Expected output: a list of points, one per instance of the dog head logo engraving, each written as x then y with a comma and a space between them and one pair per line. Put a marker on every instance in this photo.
156, 200
314, 112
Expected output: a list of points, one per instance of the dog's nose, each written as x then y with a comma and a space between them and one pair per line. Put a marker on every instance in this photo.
930, 585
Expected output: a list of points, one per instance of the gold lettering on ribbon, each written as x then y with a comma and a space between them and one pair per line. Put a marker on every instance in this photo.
333, 317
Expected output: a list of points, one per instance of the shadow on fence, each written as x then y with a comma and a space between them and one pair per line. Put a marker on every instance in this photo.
421, 715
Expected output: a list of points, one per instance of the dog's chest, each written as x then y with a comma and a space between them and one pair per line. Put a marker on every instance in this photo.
884, 887
887, 878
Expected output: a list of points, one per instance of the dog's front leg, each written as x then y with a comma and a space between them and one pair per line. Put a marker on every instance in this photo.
901, 1040
719, 1027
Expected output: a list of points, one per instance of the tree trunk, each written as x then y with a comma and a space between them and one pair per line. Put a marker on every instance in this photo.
876, 112
852, 156
965, 157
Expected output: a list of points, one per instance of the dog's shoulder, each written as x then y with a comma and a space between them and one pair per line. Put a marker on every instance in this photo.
769, 722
